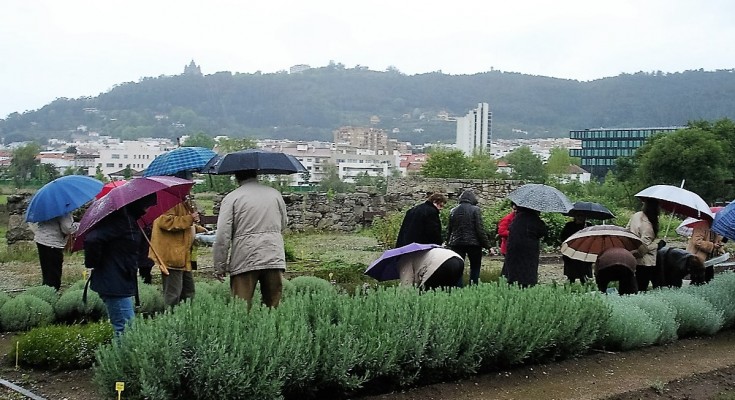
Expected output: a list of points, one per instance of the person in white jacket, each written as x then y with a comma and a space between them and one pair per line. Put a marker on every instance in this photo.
51, 237
430, 269
249, 244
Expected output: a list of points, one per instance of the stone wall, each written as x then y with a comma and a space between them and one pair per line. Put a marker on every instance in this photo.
339, 212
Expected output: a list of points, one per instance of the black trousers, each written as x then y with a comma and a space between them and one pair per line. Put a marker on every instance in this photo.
51, 260
623, 275
446, 275
474, 254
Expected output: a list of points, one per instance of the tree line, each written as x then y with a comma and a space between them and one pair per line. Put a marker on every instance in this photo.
310, 105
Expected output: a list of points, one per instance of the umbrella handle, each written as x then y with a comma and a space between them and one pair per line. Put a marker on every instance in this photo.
161, 265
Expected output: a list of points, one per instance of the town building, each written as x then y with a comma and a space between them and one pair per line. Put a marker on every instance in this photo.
138, 154
601, 147
366, 138
474, 131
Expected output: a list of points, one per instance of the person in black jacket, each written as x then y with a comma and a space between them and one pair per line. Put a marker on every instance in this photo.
524, 247
466, 233
575, 269
111, 249
422, 224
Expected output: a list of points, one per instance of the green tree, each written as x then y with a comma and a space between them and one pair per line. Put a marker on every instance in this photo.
99, 175
446, 164
559, 161
230, 145
378, 181
482, 166
46, 173
527, 166
127, 172
693, 155
331, 181
199, 139
24, 163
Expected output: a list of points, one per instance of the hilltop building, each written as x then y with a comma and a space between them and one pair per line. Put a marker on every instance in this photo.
474, 131
366, 138
601, 147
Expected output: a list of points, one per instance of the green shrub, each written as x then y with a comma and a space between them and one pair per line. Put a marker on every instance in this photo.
310, 284
629, 327
386, 228
151, 299
63, 347
720, 292
695, 315
45, 293
71, 308
77, 285
24, 312
4, 297
661, 313
289, 250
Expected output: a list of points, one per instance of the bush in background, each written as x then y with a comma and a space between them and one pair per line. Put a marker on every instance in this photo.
71, 309
61, 347
660, 312
385, 228
45, 293
24, 312
629, 326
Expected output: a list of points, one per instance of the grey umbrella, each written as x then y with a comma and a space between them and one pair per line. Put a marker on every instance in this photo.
541, 197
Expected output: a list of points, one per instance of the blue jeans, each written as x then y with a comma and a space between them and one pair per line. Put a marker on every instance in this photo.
120, 310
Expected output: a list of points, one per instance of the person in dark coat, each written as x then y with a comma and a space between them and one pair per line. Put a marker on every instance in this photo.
672, 265
466, 234
575, 269
524, 247
616, 264
111, 250
145, 264
422, 224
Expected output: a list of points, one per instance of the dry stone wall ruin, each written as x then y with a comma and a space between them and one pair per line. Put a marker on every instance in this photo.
342, 212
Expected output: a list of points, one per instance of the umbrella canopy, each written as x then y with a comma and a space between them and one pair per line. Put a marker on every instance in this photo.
541, 198
264, 162
179, 159
724, 223
678, 201
385, 268
590, 210
686, 227
587, 244
109, 186
61, 196
168, 189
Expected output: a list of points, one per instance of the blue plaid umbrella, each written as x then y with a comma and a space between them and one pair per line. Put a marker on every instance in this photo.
180, 159
61, 196
724, 223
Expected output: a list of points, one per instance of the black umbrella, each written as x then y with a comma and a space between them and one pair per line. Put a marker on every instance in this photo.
590, 210
264, 162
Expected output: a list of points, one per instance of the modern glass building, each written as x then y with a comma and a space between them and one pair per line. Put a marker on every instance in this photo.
600, 147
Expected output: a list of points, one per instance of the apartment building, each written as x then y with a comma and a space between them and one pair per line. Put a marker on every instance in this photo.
138, 154
474, 131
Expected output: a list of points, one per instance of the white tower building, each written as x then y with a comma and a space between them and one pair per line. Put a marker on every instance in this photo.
474, 131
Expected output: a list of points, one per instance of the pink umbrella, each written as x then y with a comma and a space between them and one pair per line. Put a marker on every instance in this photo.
169, 192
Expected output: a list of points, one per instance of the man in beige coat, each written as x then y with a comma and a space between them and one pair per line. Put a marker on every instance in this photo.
249, 244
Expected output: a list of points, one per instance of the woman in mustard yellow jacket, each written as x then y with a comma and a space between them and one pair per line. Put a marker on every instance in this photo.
171, 239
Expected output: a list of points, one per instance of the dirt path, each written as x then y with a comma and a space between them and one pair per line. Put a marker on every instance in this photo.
630, 375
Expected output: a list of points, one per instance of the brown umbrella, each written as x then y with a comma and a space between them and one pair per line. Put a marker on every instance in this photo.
588, 243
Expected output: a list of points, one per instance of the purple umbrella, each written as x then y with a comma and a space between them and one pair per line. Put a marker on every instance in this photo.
385, 268
169, 192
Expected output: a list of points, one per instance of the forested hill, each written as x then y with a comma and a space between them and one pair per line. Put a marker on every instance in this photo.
311, 104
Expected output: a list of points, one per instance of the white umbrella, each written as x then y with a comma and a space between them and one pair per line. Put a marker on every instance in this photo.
678, 201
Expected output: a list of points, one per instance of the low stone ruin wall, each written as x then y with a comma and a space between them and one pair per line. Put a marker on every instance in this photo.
343, 212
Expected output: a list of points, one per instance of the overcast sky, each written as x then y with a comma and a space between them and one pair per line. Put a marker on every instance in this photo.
73, 48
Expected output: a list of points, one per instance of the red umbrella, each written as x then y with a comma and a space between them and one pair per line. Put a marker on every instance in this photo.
169, 192
109, 186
